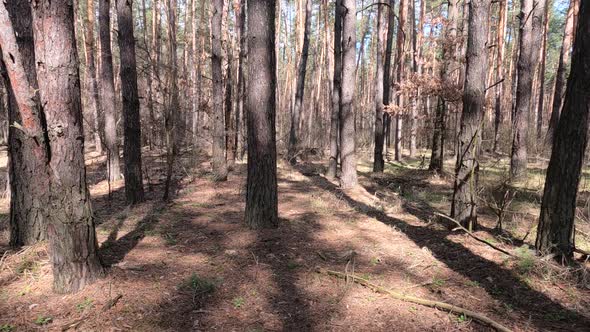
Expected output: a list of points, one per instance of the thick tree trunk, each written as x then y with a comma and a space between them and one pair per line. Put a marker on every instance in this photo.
556, 223
400, 64
378, 162
218, 162
131, 117
107, 91
387, 75
337, 83
91, 72
171, 112
464, 204
348, 179
27, 146
560, 76
294, 135
261, 187
72, 238
531, 31
447, 78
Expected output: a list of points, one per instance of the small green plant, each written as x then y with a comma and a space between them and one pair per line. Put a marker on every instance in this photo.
43, 320
472, 283
25, 290
86, 304
462, 318
27, 265
438, 282
6, 328
526, 259
170, 239
291, 265
238, 302
198, 285
375, 261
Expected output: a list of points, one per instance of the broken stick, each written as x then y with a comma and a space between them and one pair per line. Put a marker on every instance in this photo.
408, 298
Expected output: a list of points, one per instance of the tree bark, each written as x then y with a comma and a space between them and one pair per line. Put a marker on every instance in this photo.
378, 162
294, 135
449, 59
348, 179
219, 163
27, 144
107, 91
400, 64
387, 75
531, 32
91, 72
172, 109
556, 222
261, 187
560, 76
337, 83
500, 45
72, 239
131, 118
464, 204
541, 75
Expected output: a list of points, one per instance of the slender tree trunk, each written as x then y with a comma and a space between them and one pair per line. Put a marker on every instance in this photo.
91, 72
241, 116
27, 146
464, 204
540, 105
447, 78
261, 187
219, 163
378, 163
555, 232
400, 64
500, 49
155, 71
335, 114
348, 179
531, 31
72, 239
172, 109
131, 117
560, 76
387, 74
294, 135
107, 91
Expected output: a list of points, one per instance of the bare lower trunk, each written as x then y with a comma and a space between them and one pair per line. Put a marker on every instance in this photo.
555, 232
72, 238
107, 91
335, 112
261, 187
464, 204
348, 179
218, 163
531, 30
378, 162
131, 118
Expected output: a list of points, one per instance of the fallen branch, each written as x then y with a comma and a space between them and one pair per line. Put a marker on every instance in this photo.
111, 303
407, 298
473, 236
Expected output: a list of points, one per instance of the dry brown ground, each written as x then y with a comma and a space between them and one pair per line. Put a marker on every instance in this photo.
191, 265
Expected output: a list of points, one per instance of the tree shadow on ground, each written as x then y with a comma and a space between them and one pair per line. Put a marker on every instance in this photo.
504, 286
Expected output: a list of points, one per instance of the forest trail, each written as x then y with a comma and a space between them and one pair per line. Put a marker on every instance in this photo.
192, 265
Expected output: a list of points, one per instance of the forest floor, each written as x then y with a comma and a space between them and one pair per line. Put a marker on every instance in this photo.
192, 265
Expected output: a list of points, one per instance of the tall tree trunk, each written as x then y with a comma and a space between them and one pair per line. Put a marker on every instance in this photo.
500, 49
72, 239
387, 74
91, 72
464, 204
27, 149
449, 58
556, 222
219, 163
378, 162
173, 107
261, 187
294, 135
348, 179
335, 112
400, 62
240, 115
131, 117
560, 76
107, 90
155, 70
540, 107
531, 32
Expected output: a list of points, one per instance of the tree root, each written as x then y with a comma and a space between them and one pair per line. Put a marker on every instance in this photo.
408, 298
